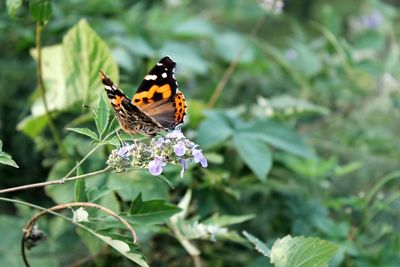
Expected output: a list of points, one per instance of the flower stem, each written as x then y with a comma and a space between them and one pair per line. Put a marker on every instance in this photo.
59, 181
82, 160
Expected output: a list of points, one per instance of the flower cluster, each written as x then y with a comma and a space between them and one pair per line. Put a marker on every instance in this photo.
273, 6
173, 148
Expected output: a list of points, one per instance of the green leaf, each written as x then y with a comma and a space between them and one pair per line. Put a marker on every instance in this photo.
96, 193
214, 130
126, 185
306, 61
32, 126
301, 251
40, 10
85, 131
137, 46
6, 158
85, 54
228, 46
258, 244
280, 136
151, 211
124, 249
194, 27
290, 105
254, 153
80, 190
101, 116
64, 193
13, 6
225, 220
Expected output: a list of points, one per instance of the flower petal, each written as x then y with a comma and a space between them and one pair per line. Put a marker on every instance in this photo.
180, 148
155, 166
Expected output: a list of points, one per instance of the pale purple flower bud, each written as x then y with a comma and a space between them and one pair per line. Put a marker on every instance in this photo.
180, 148
184, 166
199, 157
291, 54
156, 166
175, 134
125, 151
372, 20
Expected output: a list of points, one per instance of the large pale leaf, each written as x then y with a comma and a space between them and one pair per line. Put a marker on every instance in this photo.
52, 71
302, 252
254, 153
85, 54
71, 70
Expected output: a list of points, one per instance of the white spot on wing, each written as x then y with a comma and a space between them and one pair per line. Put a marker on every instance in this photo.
164, 75
159, 64
150, 77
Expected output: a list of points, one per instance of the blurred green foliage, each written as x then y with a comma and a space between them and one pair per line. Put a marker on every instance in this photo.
304, 139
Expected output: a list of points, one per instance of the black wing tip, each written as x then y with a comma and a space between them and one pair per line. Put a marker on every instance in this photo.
167, 60
104, 78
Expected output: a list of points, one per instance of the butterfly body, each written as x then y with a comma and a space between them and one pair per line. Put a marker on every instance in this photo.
158, 105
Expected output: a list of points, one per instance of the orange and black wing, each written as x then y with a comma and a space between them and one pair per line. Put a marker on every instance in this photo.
158, 95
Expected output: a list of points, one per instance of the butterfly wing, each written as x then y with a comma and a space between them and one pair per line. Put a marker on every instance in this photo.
158, 95
131, 118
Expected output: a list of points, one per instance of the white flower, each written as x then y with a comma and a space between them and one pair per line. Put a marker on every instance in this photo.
80, 215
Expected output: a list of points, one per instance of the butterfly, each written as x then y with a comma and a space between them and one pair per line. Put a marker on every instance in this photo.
157, 105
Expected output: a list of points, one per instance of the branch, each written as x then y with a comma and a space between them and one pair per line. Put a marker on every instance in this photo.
232, 66
59, 181
42, 87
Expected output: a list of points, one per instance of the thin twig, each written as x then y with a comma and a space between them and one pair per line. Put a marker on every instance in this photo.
33, 220
42, 88
87, 155
59, 181
232, 66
